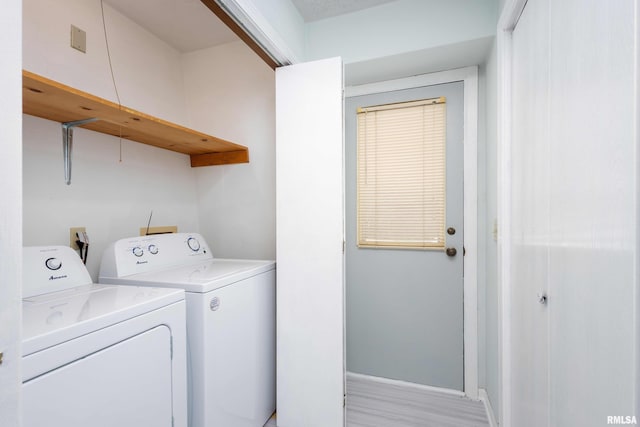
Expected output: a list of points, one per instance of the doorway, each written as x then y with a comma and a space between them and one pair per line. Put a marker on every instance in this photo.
468, 369
404, 306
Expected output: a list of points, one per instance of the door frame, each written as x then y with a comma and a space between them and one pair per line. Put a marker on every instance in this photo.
506, 24
469, 77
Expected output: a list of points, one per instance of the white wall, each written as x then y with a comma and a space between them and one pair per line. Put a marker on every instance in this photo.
111, 198
147, 71
390, 41
285, 20
10, 213
490, 367
231, 94
482, 211
399, 27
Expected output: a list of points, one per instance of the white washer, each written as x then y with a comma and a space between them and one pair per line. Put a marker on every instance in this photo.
230, 322
99, 355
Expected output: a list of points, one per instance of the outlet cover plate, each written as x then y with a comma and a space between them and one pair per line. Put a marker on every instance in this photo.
78, 39
73, 237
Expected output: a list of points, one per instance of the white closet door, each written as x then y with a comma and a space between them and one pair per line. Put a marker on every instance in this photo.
593, 262
574, 211
10, 210
530, 217
310, 232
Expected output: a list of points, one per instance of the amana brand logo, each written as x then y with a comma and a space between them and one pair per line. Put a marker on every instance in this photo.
622, 419
58, 277
142, 262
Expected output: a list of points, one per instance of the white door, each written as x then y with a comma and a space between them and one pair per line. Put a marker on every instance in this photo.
530, 217
573, 216
10, 211
404, 313
309, 245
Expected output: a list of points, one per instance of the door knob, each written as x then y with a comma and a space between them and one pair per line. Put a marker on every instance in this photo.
451, 251
451, 231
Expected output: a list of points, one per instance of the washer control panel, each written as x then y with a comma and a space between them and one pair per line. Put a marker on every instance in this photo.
53, 263
193, 244
150, 253
50, 269
137, 251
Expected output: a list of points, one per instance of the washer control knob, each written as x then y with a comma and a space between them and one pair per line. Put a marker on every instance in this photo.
137, 251
153, 249
193, 243
53, 263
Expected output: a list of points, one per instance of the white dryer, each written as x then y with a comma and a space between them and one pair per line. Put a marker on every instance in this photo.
230, 322
99, 355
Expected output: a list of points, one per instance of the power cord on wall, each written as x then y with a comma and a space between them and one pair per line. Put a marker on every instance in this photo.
113, 78
83, 244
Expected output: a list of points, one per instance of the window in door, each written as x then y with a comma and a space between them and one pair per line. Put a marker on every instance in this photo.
401, 175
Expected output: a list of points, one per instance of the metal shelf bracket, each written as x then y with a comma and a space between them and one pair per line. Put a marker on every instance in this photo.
67, 144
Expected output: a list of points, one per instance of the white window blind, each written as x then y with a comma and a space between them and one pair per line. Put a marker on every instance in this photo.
402, 175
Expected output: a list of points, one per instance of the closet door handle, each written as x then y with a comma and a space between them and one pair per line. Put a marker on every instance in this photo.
451, 252
542, 298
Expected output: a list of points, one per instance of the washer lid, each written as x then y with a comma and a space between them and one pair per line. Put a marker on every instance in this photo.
52, 318
201, 277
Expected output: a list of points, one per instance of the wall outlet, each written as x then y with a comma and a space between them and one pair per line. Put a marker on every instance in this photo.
159, 230
73, 237
78, 39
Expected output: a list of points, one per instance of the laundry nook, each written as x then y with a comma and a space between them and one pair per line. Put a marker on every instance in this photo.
319, 213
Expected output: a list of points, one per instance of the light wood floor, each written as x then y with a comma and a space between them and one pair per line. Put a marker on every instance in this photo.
372, 403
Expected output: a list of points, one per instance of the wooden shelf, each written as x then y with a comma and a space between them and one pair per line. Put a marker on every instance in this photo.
51, 100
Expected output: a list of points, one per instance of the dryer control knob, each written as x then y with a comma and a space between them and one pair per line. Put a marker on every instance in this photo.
53, 263
193, 244
153, 249
137, 251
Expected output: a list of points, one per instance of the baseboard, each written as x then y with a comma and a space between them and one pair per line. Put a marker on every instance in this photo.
403, 384
484, 397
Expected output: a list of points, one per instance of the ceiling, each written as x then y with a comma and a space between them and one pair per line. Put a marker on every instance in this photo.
188, 25
314, 10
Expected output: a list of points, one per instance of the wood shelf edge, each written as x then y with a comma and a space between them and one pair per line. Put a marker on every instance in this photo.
48, 99
223, 158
